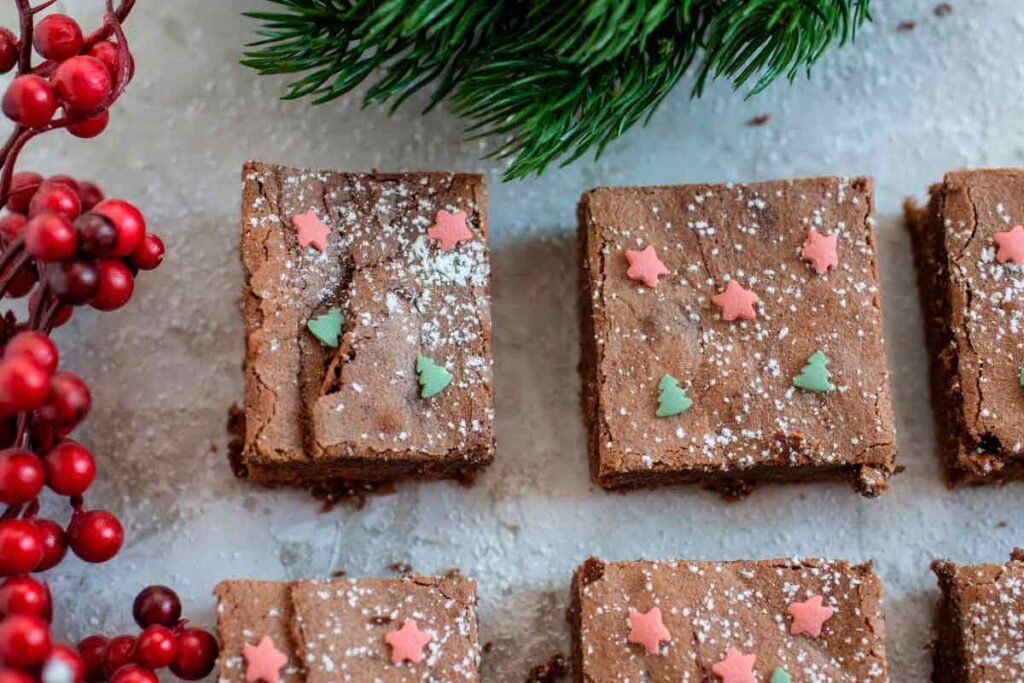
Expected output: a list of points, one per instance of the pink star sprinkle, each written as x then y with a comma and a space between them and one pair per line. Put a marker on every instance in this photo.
311, 230
407, 643
263, 662
809, 616
820, 250
645, 266
1011, 245
736, 302
449, 229
648, 630
736, 667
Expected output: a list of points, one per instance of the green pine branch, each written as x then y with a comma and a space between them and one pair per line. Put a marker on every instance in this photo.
550, 79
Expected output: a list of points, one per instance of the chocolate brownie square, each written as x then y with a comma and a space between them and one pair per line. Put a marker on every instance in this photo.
396, 630
768, 620
367, 318
980, 622
733, 334
969, 249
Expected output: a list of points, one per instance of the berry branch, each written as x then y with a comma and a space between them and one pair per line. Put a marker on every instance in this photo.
63, 245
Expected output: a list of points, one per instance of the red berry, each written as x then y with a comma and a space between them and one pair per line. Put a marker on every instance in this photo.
15, 676
29, 101
21, 476
65, 180
63, 315
116, 285
106, 52
23, 186
90, 193
197, 653
120, 651
74, 282
150, 253
83, 82
55, 547
131, 226
9, 48
94, 653
64, 664
35, 346
95, 535
55, 198
24, 641
90, 127
97, 235
156, 605
70, 469
157, 647
24, 595
22, 282
50, 237
24, 385
69, 400
20, 547
58, 37
133, 673
12, 224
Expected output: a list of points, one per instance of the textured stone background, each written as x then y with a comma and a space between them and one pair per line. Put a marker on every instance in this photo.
901, 106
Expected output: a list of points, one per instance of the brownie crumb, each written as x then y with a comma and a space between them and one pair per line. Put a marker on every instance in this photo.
906, 26
550, 671
943, 9
759, 120
350, 494
403, 568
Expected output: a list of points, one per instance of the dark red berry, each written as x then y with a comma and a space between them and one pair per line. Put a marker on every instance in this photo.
58, 37
20, 547
25, 595
12, 224
116, 285
23, 186
133, 673
150, 253
24, 641
50, 237
55, 546
22, 282
35, 346
131, 226
24, 385
15, 676
120, 651
75, 282
70, 469
90, 193
29, 101
55, 198
83, 82
91, 126
9, 48
95, 535
21, 476
197, 653
64, 664
157, 647
156, 606
69, 400
63, 315
97, 235
94, 653
64, 180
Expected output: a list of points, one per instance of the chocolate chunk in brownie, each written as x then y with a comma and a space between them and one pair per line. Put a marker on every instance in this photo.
969, 250
733, 334
979, 620
367, 317
778, 620
396, 630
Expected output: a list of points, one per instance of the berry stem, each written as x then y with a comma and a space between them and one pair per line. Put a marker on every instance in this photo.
39, 8
8, 277
27, 26
104, 32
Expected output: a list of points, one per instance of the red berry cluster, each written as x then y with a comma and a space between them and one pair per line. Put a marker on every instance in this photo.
166, 640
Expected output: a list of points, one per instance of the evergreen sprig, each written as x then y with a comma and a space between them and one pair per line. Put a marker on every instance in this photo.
550, 79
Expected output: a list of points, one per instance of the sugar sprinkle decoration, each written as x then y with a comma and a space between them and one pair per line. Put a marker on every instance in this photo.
407, 643
820, 250
327, 327
647, 629
815, 375
312, 230
433, 378
263, 661
645, 266
736, 667
780, 675
449, 229
672, 398
736, 302
809, 616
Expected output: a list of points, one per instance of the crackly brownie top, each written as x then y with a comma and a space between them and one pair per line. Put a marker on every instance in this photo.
403, 291
400, 630
797, 620
988, 613
746, 410
980, 210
